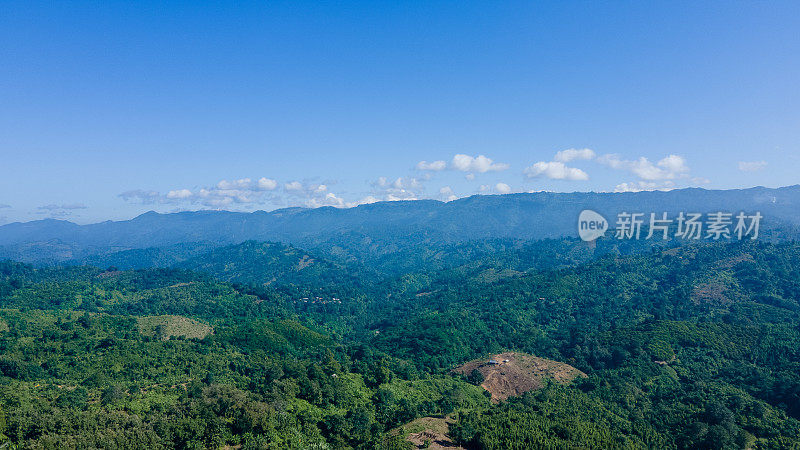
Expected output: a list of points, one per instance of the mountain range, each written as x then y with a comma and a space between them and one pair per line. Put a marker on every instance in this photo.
387, 225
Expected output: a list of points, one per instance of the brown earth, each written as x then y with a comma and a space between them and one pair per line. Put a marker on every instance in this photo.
516, 373
430, 431
710, 292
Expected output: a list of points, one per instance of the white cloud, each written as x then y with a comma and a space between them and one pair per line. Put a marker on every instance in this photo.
645, 170
225, 193
244, 183
63, 210
673, 164
364, 201
446, 193
141, 196
179, 194
313, 195
329, 199
667, 173
223, 197
639, 186
267, 184
294, 186
410, 183
573, 154
398, 183
318, 198
400, 188
213, 197
668, 168
479, 164
752, 166
555, 170
435, 166
401, 195
611, 160
464, 163
502, 188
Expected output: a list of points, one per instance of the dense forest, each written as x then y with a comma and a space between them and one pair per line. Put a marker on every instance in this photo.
263, 345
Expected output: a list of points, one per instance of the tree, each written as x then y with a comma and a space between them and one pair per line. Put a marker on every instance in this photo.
112, 394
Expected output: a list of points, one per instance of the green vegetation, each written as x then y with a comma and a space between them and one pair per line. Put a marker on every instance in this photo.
695, 346
166, 327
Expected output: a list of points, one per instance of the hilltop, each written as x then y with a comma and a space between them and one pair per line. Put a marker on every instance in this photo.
511, 374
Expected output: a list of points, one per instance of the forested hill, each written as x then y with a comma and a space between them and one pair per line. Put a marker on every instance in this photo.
519, 216
268, 263
688, 347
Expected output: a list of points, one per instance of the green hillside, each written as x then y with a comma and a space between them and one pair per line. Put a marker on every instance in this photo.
696, 346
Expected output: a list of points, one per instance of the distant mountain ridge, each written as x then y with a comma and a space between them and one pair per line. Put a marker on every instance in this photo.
525, 216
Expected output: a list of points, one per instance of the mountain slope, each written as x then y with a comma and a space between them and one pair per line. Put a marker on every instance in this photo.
265, 263
519, 216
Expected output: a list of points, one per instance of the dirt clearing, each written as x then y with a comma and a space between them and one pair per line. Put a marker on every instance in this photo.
512, 374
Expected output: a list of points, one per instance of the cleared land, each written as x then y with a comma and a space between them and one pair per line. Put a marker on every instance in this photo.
167, 326
514, 373
430, 432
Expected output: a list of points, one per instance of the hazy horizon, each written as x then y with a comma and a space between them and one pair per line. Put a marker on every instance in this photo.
204, 209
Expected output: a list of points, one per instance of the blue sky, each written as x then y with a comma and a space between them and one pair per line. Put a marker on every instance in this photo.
110, 109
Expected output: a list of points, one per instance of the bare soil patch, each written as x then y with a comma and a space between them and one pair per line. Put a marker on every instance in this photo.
512, 374
430, 431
